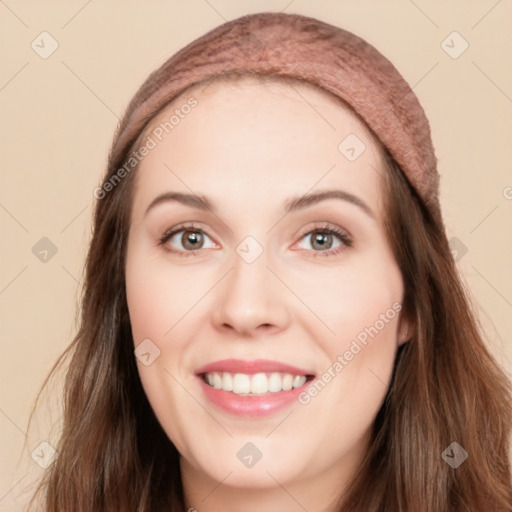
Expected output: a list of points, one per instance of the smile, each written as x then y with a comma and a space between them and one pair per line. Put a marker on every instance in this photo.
252, 388
254, 384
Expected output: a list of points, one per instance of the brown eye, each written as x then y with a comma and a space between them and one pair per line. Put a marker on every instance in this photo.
326, 241
321, 240
192, 239
186, 240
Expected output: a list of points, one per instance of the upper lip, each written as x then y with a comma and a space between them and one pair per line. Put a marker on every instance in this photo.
251, 366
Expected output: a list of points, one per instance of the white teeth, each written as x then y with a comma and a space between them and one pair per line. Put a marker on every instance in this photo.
298, 381
241, 383
275, 382
287, 382
227, 381
258, 383
217, 381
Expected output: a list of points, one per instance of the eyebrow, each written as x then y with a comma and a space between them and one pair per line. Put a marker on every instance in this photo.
291, 205
306, 200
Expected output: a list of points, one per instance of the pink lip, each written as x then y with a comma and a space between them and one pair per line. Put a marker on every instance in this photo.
250, 367
250, 405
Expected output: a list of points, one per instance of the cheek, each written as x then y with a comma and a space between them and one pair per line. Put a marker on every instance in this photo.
357, 298
362, 307
156, 302
367, 329
146, 303
158, 295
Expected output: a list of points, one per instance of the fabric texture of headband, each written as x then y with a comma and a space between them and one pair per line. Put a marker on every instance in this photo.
299, 47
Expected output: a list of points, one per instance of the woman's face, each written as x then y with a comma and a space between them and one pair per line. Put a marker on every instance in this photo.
270, 285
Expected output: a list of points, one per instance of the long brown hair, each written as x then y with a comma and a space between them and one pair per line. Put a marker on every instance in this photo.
113, 455
446, 386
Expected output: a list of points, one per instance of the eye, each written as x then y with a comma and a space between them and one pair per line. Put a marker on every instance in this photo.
191, 240
327, 241
324, 241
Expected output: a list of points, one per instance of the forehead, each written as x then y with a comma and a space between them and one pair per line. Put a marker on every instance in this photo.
263, 138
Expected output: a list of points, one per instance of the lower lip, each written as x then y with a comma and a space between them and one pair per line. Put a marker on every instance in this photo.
251, 406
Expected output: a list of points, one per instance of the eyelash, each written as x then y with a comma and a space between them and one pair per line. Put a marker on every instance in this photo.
346, 241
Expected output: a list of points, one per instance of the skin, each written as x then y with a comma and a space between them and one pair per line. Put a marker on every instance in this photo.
249, 147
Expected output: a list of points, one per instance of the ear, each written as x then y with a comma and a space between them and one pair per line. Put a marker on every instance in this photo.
406, 329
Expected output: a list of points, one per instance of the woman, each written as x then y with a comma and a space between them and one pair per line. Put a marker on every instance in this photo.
318, 351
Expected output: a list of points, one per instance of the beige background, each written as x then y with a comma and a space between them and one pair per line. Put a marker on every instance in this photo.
59, 115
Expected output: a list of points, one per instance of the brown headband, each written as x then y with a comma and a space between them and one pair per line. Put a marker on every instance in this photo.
294, 46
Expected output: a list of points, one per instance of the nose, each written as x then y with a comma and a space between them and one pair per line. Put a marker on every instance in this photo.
252, 301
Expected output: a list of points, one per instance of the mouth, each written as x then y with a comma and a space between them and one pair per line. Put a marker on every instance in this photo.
252, 388
254, 384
